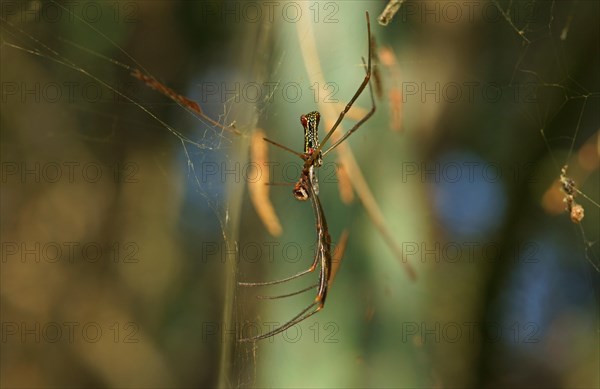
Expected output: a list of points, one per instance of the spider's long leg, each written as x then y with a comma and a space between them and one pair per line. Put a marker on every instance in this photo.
279, 183
295, 320
357, 125
353, 99
309, 270
285, 148
288, 294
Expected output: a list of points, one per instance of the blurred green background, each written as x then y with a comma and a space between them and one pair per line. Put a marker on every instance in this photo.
126, 221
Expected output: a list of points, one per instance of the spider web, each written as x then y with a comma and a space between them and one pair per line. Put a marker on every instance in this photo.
566, 99
92, 157
555, 49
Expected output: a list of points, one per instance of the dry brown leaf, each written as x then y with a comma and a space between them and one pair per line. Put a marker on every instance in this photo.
259, 188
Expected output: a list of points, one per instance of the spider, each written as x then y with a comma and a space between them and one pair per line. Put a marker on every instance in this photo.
307, 188
569, 188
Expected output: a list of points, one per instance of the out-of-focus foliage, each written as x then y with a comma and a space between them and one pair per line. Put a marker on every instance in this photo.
119, 228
